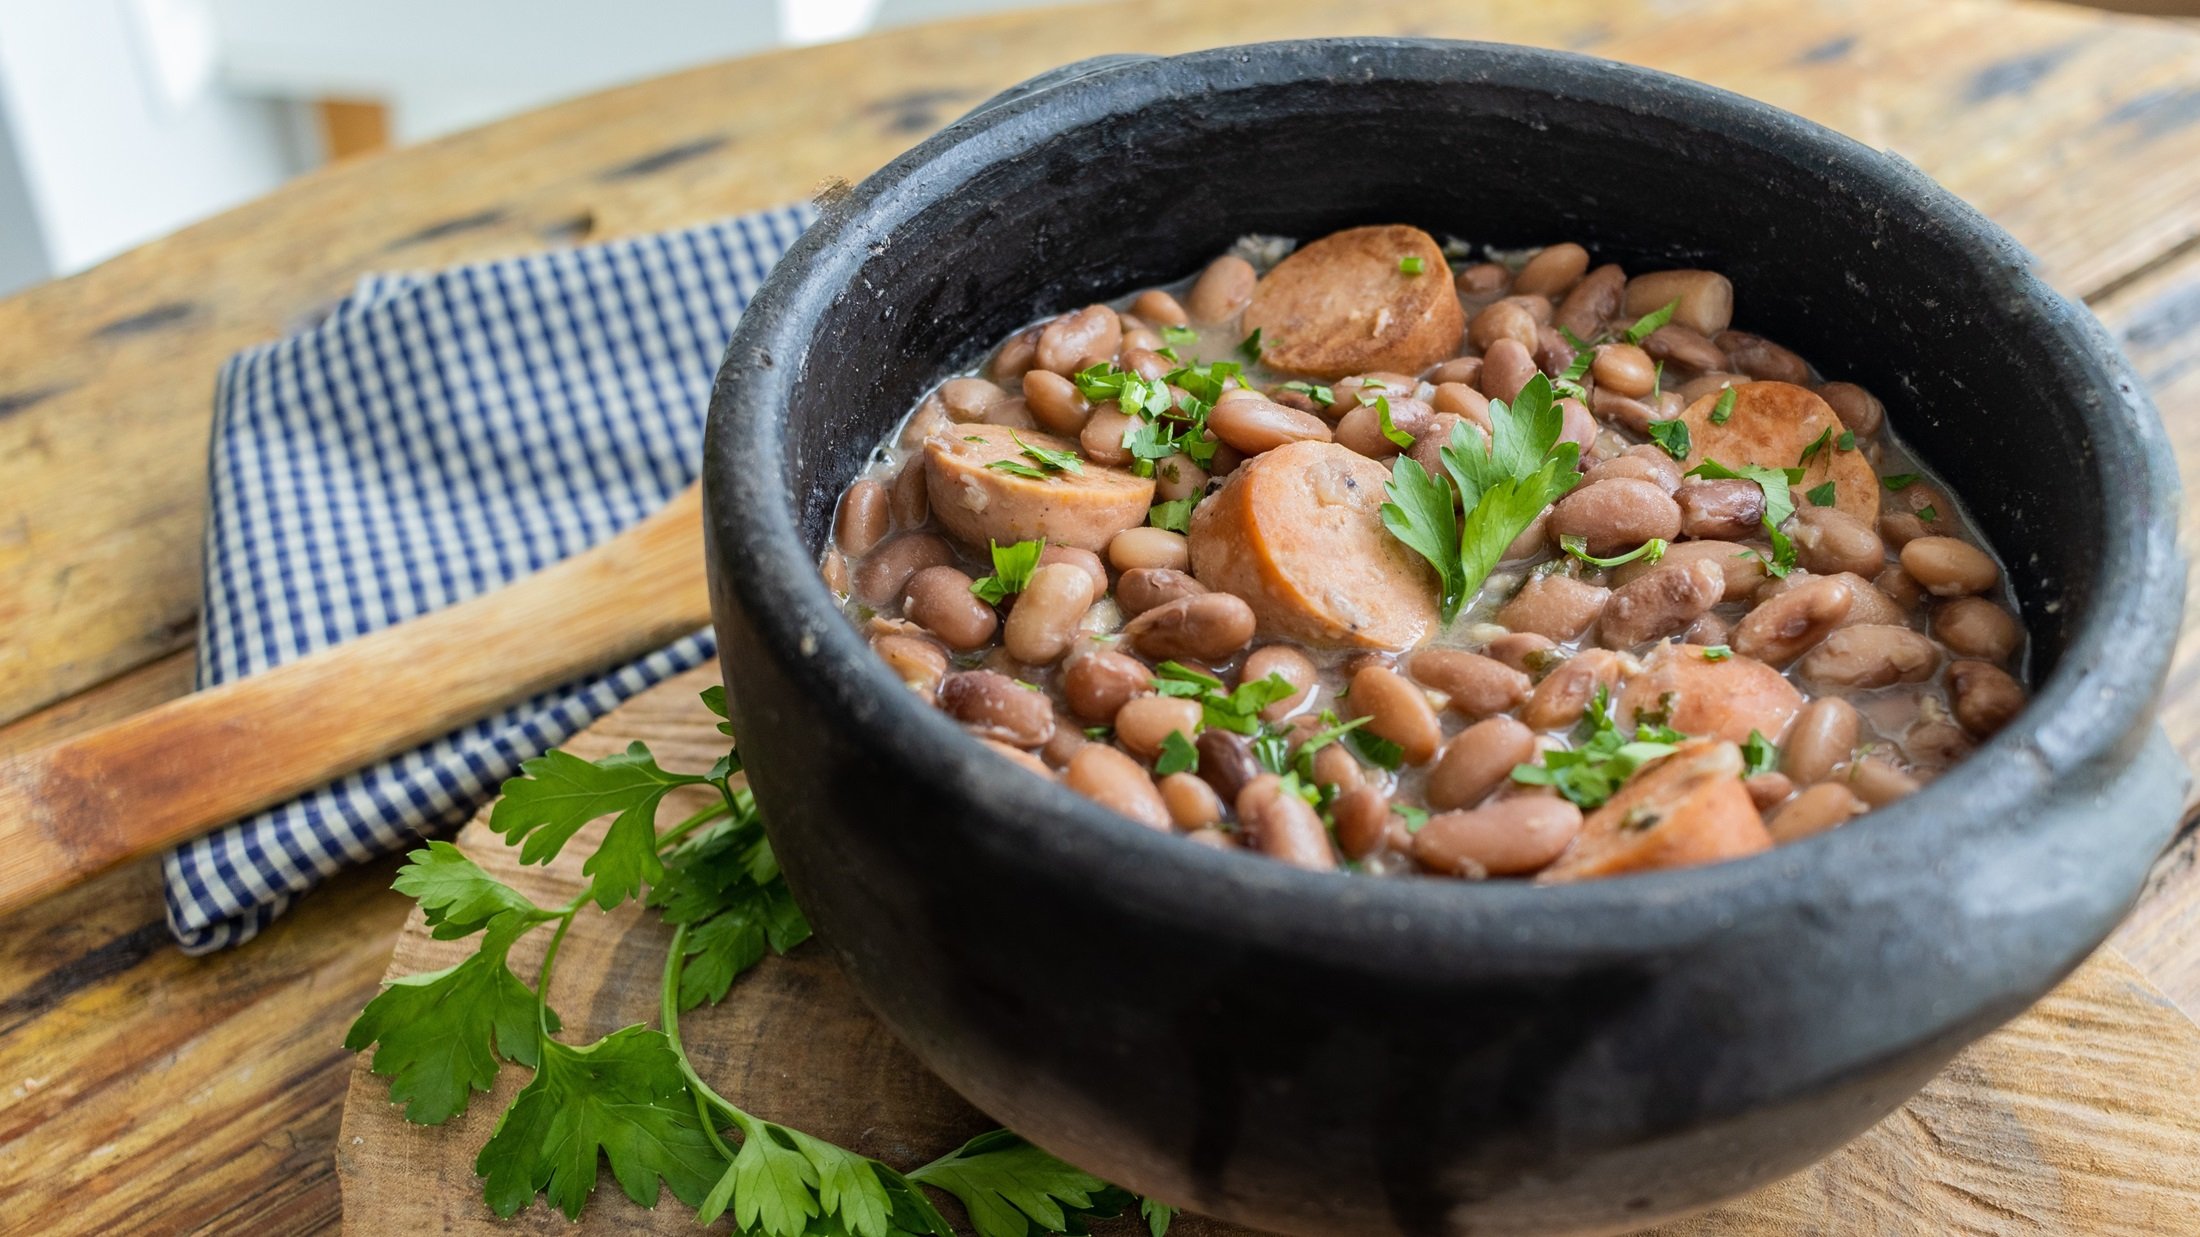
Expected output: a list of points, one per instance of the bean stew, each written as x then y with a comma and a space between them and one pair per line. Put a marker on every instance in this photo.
1388, 555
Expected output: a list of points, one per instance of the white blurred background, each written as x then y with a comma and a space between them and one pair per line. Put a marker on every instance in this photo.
123, 120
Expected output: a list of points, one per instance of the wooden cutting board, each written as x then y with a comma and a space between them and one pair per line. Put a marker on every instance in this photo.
2079, 1117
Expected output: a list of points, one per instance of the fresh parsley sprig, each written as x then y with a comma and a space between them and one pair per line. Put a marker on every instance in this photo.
633, 1098
1012, 568
1602, 758
1502, 483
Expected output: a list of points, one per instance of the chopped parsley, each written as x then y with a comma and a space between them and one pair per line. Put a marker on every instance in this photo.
1319, 394
1779, 504
1717, 652
1569, 382
1820, 495
1415, 816
1410, 265
1651, 321
1649, 551
1723, 411
1177, 755
1012, 568
1249, 347
1174, 515
1136, 396
1389, 427
1502, 483
1373, 749
1896, 481
1602, 759
1237, 710
1759, 755
1174, 335
1673, 436
1825, 437
1927, 514
1847, 441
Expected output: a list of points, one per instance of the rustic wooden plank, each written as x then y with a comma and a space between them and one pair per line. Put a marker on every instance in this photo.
110, 374
2074, 1118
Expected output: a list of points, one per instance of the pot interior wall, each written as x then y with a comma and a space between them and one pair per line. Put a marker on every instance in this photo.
1857, 282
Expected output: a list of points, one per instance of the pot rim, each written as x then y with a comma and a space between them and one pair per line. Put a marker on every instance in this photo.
2090, 713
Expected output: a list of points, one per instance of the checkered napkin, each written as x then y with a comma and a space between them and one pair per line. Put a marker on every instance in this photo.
434, 437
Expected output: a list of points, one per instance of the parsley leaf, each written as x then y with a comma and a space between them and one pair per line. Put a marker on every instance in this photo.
559, 792
1649, 551
1415, 816
1174, 678
1249, 348
1177, 755
1759, 755
1672, 435
1420, 513
1319, 394
1157, 1217
1390, 428
1779, 504
1007, 1185
1898, 480
1652, 321
1818, 444
1133, 394
1927, 514
1723, 410
1012, 568
1174, 515
1717, 652
1602, 759
1373, 749
1847, 440
438, 1035
622, 1097
1049, 461
1174, 335
1410, 265
1820, 495
1239, 710
458, 898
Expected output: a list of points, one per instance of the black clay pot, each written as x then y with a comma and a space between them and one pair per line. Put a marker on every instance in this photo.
1327, 1054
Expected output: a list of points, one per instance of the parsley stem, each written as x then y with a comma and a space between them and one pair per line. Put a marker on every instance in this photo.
668, 1004
715, 811
550, 959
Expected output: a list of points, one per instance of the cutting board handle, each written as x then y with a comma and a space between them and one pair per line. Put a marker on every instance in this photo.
73, 810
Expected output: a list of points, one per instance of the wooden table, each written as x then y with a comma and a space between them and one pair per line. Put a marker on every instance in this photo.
140, 1087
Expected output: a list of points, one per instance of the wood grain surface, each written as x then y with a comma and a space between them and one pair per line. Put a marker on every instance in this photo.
2075, 1118
2079, 132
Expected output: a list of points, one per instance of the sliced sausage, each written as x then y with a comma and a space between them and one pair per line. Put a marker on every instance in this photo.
1770, 426
1343, 305
1296, 533
1084, 509
1724, 698
1687, 809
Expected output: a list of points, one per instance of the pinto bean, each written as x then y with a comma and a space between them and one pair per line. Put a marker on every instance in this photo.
1210, 626
1525, 651
864, 519
1743, 568
1011, 413
1630, 414
1013, 359
834, 570
1830, 541
1615, 516
1066, 742
1158, 307
992, 705
1877, 782
1720, 510
1287, 663
1079, 340
1782, 629
1897, 586
1363, 820
1280, 825
914, 660
1483, 280
1102, 438
1563, 695
1366, 388
1983, 697
1136, 548
1477, 761
1593, 302
1553, 270
1145, 722
1814, 811
1398, 711
1708, 384
909, 499
1511, 837
1362, 428
1660, 603
1936, 744
1176, 476
1685, 350
1226, 762
1255, 425
1555, 606
1506, 319
1761, 358
1506, 368
1055, 402
1900, 528
1706, 298
1017, 755
1768, 789
1192, 803
1097, 681
1871, 655
1860, 411
1946, 567
1624, 368
1083, 560
1475, 685
1039, 629
1113, 780
1553, 355
1463, 371
939, 600
1825, 733
1143, 588
1978, 628
1640, 463
966, 399
1338, 767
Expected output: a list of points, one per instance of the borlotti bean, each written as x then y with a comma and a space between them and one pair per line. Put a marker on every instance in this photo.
1200, 554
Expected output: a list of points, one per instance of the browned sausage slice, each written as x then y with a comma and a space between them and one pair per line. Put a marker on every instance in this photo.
1347, 304
1770, 426
1296, 533
1082, 509
1689, 808
1721, 699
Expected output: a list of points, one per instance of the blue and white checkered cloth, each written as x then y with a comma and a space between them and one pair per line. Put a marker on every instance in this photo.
434, 437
